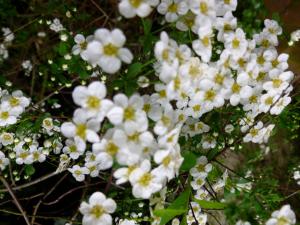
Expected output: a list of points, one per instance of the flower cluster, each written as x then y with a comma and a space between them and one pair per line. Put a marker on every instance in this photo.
142, 138
8, 37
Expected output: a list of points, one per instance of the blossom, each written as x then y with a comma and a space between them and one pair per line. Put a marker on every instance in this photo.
129, 113
107, 50
284, 216
79, 172
97, 210
92, 99
131, 8
172, 9
81, 127
144, 182
236, 43
3, 161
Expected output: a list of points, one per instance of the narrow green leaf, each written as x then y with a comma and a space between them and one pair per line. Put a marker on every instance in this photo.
168, 214
210, 204
178, 207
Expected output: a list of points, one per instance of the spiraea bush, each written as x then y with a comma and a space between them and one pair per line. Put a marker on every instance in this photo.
147, 112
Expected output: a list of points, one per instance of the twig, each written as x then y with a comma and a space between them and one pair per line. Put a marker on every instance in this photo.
69, 192
31, 183
15, 199
22, 199
45, 196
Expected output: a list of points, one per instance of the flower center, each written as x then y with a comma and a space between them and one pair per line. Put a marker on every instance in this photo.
205, 41
219, 79
135, 3
93, 102
134, 137
235, 43
210, 95
83, 45
145, 179
4, 115
173, 8
203, 7
129, 113
97, 211
253, 99
236, 88
166, 161
81, 130
269, 101
276, 83
14, 101
282, 221
196, 108
110, 49
111, 148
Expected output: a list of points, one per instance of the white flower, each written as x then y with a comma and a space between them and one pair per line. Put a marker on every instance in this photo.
47, 123
6, 138
255, 134
279, 81
198, 182
236, 43
284, 216
172, 9
202, 167
205, 8
7, 115
229, 128
129, 113
131, 8
169, 162
203, 46
98, 209
225, 6
3, 161
127, 222
92, 99
74, 148
17, 102
122, 174
79, 172
240, 222
81, 44
23, 153
107, 50
144, 182
280, 105
81, 127
272, 27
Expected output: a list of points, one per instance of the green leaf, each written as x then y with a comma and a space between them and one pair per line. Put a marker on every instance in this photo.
176, 208
147, 24
210, 204
134, 69
29, 170
189, 161
168, 214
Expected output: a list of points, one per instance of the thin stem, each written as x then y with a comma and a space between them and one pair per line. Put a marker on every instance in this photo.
15, 200
31, 183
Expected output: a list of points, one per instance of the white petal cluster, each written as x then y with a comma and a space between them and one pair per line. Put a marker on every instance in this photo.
97, 210
8, 37
11, 106
104, 48
284, 216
